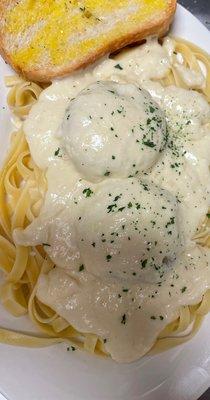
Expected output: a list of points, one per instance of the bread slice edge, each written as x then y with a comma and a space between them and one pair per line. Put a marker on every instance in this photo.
158, 28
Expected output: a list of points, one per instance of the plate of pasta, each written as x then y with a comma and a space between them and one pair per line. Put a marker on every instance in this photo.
104, 235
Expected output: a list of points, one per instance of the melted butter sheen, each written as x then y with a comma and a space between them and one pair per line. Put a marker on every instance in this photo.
51, 27
121, 212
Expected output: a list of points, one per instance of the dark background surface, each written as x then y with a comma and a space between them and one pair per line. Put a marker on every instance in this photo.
201, 9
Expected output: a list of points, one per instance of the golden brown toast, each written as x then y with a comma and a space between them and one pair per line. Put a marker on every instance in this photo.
44, 39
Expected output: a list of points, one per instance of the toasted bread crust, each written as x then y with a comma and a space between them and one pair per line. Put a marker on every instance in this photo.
159, 28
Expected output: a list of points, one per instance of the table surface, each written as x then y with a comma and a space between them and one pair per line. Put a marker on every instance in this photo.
201, 9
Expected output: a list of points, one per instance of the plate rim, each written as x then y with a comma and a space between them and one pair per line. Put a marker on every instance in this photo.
165, 385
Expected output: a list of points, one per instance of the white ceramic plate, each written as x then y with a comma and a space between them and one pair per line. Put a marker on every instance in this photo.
55, 374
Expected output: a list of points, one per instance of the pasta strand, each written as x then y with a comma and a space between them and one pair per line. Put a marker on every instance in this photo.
22, 190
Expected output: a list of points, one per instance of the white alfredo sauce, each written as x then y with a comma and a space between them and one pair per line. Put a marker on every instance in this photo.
127, 165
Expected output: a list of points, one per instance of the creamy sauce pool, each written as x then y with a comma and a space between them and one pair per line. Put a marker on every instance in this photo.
127, 165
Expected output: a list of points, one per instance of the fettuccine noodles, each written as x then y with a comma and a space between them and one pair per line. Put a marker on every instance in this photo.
22, 191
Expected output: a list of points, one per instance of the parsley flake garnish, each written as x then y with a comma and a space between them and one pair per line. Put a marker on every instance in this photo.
183, 289
57, 152
117, 198
87, 192
143, 264
123, 319
149, 143
118, 66
111, 207
72, 348
152, 109
121, 209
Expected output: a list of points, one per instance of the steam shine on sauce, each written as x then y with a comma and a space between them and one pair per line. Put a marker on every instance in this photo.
127, 165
